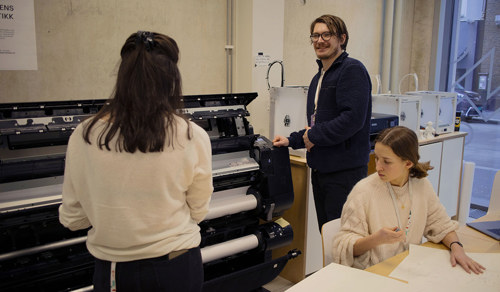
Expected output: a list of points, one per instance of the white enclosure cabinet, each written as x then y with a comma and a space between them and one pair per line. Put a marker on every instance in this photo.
451, 174
446, 154
406, 107
288, 112
439, 108
432, 152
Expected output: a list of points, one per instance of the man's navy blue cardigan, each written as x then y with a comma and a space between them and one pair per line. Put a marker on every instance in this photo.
341, 134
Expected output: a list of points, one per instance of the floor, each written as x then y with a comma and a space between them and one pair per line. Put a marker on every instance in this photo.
278, 285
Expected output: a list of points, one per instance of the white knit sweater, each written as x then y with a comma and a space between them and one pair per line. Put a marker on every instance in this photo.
140, 205
369, 207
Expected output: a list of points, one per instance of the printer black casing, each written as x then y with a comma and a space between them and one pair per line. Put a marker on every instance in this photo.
380, 122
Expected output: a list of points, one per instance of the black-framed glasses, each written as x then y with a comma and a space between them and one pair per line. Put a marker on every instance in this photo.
326, 36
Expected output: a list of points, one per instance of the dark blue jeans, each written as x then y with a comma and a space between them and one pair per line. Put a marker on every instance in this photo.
182, 273
331, 190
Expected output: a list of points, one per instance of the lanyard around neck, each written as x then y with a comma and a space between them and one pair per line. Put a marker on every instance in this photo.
396, 209
318, 88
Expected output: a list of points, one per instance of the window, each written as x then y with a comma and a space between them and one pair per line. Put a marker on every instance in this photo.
470, 67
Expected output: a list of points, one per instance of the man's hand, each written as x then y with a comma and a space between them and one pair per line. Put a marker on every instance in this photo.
308, 143
280, 141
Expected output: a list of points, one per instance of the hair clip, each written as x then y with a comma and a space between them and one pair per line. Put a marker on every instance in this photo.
146, 38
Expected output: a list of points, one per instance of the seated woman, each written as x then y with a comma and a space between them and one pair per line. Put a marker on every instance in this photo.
395, 207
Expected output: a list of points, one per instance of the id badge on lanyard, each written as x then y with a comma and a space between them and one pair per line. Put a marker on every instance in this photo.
313, 119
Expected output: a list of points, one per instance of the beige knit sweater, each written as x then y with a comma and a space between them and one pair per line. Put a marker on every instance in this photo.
369, 207
140, 205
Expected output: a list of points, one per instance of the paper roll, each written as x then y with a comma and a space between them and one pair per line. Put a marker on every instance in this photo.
230, 247
466, 191
230, 202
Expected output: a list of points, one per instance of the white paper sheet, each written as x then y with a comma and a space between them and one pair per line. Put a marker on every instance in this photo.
335, 277
429, 269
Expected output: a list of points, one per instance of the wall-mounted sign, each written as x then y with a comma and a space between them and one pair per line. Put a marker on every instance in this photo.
17, 35
262, 60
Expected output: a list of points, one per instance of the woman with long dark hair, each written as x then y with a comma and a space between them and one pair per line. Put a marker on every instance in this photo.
140, 176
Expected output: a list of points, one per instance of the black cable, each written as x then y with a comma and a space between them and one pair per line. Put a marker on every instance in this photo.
282, 73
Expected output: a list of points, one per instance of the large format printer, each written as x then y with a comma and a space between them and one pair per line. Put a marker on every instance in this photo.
252, 188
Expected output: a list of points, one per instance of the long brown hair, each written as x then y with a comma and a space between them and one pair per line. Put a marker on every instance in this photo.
146, 97
404, 143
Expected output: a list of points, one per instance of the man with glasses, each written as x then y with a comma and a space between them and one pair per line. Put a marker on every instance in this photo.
338, 113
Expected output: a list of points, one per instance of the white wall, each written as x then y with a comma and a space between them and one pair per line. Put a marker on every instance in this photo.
280, 29
79, 41
364, 24
78, 45
267, 38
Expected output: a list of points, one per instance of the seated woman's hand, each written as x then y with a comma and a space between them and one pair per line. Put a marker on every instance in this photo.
457, 255
389, 235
